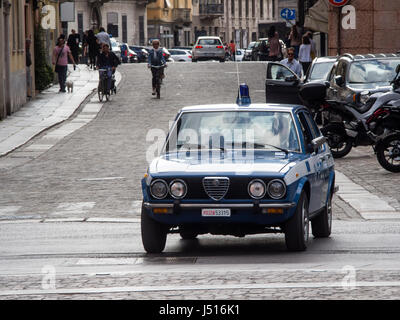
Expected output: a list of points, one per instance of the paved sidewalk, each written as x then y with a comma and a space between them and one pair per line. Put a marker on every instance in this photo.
47, 109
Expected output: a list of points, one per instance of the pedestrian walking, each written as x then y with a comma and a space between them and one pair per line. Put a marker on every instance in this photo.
93, 49
232, 49
275, 50
85, 52
73, 43
292, 63
28, 68
61, 53
313, 45
305, 53
103, 38
295, 40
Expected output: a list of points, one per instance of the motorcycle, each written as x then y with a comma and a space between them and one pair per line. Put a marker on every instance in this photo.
374, 121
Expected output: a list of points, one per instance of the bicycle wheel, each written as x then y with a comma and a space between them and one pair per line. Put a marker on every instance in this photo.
100, 91
105, 88
158, 86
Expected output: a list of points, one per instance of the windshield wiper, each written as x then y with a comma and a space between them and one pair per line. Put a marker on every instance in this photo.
262, 146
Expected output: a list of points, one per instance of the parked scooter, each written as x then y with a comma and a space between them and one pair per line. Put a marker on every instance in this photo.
375, 122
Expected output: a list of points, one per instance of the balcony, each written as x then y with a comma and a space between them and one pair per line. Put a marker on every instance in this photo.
211, 10
181, 15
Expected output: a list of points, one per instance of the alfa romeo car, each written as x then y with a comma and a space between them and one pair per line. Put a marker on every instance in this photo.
232, 169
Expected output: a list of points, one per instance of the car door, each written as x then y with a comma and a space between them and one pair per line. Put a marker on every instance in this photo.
322, 160
313, 164
281, 84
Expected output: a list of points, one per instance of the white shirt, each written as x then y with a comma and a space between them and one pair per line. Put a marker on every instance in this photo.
305, 53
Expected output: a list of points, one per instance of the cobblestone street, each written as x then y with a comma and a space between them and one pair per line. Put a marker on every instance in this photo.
76, 206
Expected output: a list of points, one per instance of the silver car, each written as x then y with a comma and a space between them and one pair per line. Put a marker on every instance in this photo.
208, 48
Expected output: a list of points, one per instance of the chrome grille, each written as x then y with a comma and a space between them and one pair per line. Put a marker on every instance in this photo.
216, 187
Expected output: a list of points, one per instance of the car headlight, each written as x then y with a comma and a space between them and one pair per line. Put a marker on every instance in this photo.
178, 189
257, 189
276, 189
159, 189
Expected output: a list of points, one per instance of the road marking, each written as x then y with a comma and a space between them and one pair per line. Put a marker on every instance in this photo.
102, 179
207, 287
369, 205
68, 208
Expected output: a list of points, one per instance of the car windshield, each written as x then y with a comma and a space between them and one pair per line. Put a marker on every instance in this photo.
320, 71
267, 130
251, 45
209, 42
372, 71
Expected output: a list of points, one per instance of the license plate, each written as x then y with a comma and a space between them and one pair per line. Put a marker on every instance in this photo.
215, 212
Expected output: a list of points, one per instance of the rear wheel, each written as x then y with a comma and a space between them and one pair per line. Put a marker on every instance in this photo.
297, 227
100, 92
339, 143
154, 234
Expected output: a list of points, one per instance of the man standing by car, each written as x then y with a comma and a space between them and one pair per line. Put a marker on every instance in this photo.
292, 63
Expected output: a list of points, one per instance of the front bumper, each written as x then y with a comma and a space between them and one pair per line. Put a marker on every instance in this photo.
256, 213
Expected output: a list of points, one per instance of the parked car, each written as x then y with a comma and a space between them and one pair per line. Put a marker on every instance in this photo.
320, 69
181, 55
208, 48
353, 74
141, 52
183, 47
127, 54
239, 54
224, 184
248, 51
115, 48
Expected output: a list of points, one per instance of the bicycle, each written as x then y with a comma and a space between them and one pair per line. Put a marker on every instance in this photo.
102, 88
157, 75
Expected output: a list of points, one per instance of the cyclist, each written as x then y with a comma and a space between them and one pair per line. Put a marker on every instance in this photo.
108, 60
156, 58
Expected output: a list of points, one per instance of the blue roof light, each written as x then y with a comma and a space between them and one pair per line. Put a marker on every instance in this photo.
243, 98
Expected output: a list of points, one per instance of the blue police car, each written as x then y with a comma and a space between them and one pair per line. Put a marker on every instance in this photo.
237, 169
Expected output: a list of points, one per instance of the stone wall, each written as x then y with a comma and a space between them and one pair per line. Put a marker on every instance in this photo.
377, 28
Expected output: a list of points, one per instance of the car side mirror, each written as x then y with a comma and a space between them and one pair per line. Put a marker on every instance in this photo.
398, 68
339, 80
318, 142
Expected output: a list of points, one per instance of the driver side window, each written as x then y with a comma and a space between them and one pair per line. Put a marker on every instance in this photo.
278, 72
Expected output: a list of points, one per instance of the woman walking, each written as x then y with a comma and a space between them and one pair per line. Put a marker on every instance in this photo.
305, 53
274, 45
295, 40
60, 60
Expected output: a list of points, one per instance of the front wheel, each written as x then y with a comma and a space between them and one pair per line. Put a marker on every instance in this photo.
338, 141
297, 228
322, 224
388, 153
154, 234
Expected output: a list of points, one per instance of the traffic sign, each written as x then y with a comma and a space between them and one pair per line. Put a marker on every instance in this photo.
338, 3
288, 14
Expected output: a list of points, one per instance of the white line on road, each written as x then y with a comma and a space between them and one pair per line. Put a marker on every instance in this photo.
278, 285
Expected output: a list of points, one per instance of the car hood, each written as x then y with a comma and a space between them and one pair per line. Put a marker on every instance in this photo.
223, 163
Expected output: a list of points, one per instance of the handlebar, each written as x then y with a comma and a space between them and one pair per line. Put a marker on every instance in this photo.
158, 67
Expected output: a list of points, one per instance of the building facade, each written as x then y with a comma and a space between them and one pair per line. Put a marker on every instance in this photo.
170, 21
125, 20
240, 20
366, 26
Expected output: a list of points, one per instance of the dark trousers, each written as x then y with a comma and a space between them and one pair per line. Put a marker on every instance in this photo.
62, 76
154, 73
305, 65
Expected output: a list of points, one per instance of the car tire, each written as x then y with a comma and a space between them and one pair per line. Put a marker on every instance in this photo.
298, 226
321, 225
154, 234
